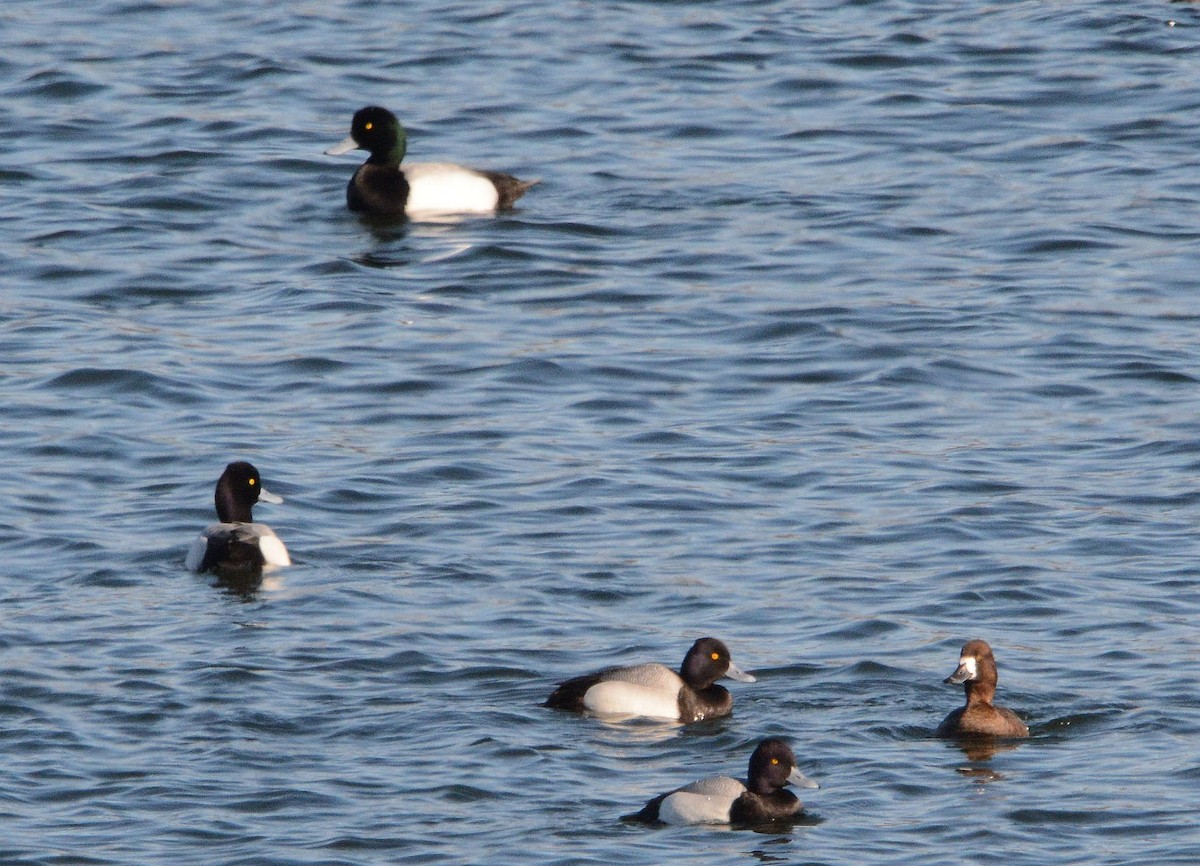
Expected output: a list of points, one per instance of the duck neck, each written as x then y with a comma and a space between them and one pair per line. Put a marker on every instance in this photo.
392, 158
979, 692
230, 510
765, 788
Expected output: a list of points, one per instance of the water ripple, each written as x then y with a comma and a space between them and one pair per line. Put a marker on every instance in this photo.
842, 337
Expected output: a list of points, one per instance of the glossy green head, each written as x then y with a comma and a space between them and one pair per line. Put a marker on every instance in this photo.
376, 130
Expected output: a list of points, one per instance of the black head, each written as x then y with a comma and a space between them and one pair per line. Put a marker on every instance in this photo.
377, 130
773, 766
707, 661
238, 488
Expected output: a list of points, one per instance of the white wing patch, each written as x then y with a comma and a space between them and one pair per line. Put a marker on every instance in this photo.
445, 188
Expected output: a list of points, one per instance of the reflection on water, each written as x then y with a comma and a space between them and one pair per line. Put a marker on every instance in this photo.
637, 728
980, 774
248, 585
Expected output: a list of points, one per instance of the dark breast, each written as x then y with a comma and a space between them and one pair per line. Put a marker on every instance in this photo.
949, 725
751, 808
992, 721
982, 722
379, 190
710, 703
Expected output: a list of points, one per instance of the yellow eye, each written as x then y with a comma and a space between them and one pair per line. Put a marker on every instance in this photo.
774, 761
369, 125
715, 656
251, 482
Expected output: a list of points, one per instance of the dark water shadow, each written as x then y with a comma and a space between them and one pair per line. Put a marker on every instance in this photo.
246, 584
980, 749
244, 587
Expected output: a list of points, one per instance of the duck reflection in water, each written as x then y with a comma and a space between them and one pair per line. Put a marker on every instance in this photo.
246, 585
981, 748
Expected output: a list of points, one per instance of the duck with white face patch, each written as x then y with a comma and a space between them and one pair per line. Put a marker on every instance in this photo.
977, 673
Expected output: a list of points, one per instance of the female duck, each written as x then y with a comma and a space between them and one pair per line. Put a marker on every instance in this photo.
237, 544
977, 672
722, 800
655, 690
382, 187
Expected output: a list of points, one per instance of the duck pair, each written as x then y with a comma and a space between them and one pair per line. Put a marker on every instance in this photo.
692, 695
382, 187
654, 690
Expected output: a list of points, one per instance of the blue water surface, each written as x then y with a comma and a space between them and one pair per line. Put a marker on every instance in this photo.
842, 331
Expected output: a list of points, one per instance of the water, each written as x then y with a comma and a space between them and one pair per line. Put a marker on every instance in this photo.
844, 332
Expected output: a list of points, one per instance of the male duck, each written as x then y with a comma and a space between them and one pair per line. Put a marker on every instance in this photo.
382, 187
655, 690
722, 800
977, 672
237, 544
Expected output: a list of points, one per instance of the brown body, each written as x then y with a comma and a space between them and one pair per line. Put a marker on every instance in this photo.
979, 717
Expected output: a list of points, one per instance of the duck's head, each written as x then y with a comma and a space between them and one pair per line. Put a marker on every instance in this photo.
238, 488
975, 664
707, 661
773, 765
376, 130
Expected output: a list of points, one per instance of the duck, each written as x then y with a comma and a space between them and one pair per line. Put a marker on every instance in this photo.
977, 673
762, 798
382, 187
236, 544
654, 690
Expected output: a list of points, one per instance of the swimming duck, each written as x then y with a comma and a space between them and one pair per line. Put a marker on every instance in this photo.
722, 800
655, 690
977, 672
383, 187
237, 544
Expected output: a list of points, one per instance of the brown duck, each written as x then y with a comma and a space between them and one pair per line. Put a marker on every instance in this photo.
976, 672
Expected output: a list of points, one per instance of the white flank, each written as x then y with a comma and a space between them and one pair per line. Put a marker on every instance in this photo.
273, 551
195, 554
684, 808
704, 802
616, 698
444, 188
